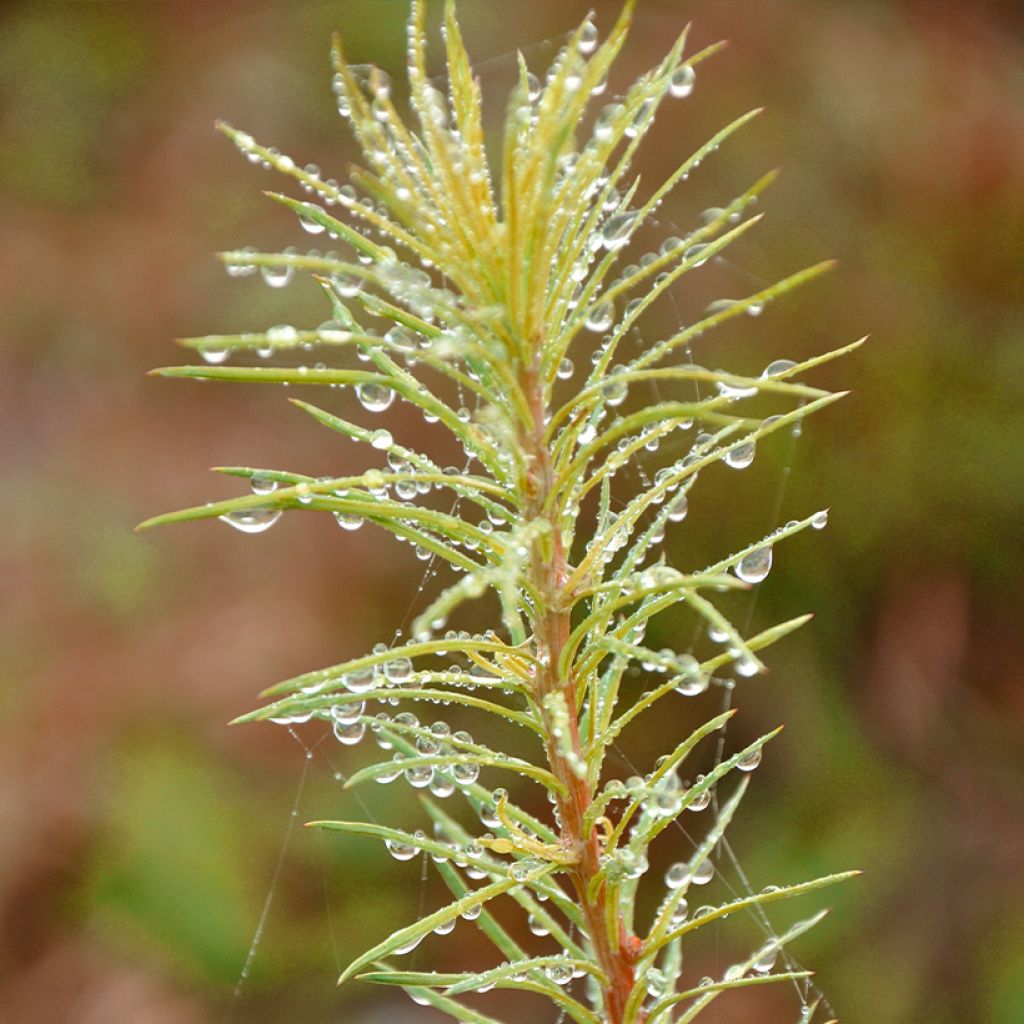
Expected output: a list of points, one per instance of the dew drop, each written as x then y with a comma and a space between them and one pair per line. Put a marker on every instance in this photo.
262, 484
766, 960
820, 520
754, 567
617, 229
741, 456
750, 761
347, 285
560, 974
677, 876
700, 802
375, 397
465, 774
703, 872
381, 439
398, 670
314, 227
252, 520
600, 317
746, 666
419, 776
565, 369
695, 251
682, 81
214, 356
777, 367
678, 508
587, 38
277, 277
348, 520
349, 733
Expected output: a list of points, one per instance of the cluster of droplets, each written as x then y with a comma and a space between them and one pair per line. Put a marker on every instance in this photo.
437, 740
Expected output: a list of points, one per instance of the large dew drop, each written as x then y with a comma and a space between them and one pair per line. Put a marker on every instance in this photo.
617, 229
277, 277
682, 81
252, 520
741, 456
587, 38
375, 397
755, 567
777, 367
600, 317
262, 484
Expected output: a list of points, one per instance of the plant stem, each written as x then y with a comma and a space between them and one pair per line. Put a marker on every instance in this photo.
614, 947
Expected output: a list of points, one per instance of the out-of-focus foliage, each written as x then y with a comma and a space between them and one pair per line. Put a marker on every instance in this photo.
898, 131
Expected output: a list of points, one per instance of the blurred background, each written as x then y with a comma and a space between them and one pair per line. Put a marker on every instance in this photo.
141, 837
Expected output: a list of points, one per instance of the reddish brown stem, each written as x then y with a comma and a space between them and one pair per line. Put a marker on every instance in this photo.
549, 570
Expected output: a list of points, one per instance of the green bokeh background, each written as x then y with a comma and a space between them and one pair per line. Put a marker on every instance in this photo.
141, 836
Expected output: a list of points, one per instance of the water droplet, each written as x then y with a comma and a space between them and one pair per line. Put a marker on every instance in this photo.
331, 330
348, 520
778, 366
522, 869
314, 227
375, 397
692, 683
750, 761
614, 392
398, 670
262, 484
348, 713
214, 356
703, 872
419, 776
465, 774
734, 391
617, 229
381, 439
700, 802
252, 520
600, 317
678, 508
682, 81
587, 38
277, 277
694, 251
766, 960
677, 876
746, 666
741, 456
349, 733
359, 680
560, 974
656, 982
565, 369
820, 520
754, 567
441, 785
537, 927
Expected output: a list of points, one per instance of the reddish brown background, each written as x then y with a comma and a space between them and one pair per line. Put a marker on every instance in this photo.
140, 834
